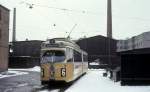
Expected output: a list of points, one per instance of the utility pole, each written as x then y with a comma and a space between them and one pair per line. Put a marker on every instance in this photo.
14, 26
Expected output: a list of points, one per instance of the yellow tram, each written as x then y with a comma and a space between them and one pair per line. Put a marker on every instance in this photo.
62, 60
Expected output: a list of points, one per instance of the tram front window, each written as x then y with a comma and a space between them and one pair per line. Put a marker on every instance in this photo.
53, 56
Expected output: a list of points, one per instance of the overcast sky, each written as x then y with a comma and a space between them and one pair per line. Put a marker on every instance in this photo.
130, 18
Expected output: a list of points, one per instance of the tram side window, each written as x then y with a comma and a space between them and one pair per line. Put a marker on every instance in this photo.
85, 58
69, 55
77, 57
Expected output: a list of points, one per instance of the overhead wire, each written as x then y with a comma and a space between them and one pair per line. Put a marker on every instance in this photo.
88, 12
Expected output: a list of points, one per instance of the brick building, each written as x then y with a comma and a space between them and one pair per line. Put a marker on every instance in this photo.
4, 37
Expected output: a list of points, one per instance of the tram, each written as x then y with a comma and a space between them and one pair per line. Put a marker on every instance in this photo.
62, 60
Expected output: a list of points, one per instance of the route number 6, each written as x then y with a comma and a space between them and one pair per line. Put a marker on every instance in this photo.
63, 72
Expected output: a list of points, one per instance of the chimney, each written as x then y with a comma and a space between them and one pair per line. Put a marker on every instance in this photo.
109, 19
14, 26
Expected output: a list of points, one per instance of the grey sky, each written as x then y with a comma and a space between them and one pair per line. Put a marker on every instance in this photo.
130, 17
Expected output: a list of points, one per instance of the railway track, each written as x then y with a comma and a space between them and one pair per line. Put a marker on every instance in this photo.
52, 88
56, 87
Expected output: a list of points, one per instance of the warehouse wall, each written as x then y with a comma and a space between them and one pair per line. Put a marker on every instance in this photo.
97, 48
4, 38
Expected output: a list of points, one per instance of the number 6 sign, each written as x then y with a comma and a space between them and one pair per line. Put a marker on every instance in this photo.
63, 72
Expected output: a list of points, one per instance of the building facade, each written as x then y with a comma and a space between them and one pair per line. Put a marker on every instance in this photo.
25, 54
98, 47
4, 37
136, 42
135, 53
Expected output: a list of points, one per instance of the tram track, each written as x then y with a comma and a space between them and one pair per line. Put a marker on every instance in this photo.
56, 87
52, 88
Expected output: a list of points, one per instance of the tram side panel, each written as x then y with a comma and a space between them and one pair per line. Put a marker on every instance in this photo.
70, 64
85, 63
78, 66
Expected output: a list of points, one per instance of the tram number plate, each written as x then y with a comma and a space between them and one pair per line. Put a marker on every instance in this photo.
63, 72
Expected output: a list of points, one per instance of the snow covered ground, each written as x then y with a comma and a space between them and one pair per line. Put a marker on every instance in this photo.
11, 73
16, 72
93, 81
34, 69
94, 63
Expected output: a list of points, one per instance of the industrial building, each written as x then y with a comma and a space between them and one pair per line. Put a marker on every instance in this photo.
4, 38
102, 49
135, 53
136, 42
96, 47
25, 54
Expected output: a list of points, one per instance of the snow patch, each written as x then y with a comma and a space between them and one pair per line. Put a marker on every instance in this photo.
56, 90
94, 63
11, 73
94, 81
34, 69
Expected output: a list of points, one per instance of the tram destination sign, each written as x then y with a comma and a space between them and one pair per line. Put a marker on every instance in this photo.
52, 45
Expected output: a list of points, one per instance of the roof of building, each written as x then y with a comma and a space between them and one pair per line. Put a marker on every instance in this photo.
96, 37
4, 7
136, 51
28, 41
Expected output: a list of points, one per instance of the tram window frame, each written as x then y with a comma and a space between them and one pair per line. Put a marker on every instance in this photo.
77, 56
69, 55
52, 53
85, 58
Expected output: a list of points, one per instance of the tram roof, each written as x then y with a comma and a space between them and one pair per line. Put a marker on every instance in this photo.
64, 42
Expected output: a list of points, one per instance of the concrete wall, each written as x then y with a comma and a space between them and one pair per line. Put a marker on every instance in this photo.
4, 38
136, 42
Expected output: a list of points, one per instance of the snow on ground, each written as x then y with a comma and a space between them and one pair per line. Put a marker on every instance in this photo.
94, 63
57, 90
34, 69
93, 81
11, 73
16, 72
